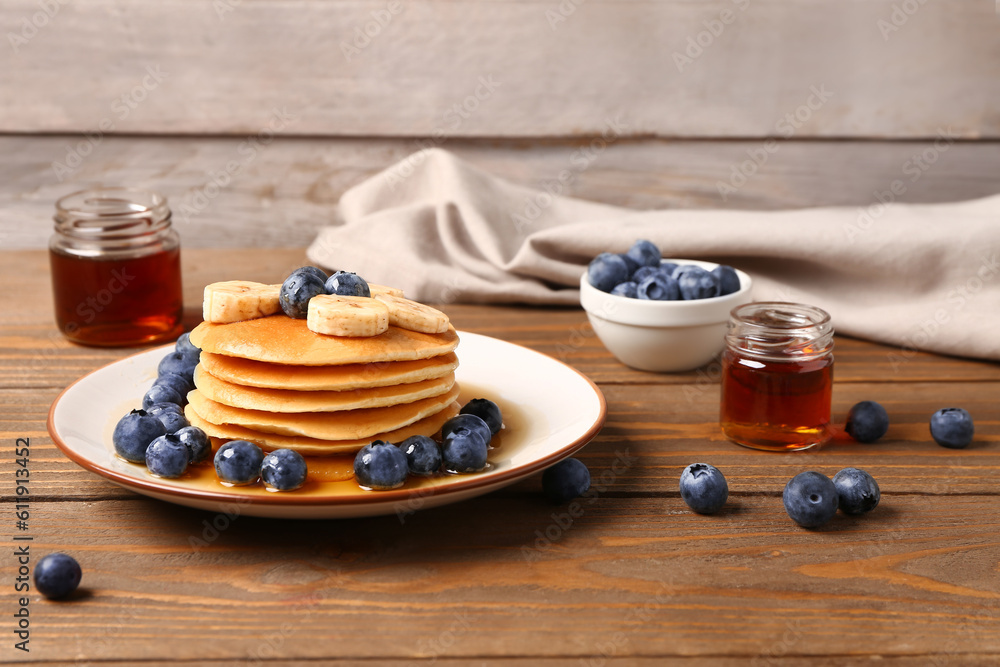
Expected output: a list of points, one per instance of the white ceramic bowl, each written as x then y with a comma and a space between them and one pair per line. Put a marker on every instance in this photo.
662, 336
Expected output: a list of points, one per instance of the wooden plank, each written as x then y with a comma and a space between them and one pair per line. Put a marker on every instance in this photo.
283, 194
640, 577
983, 660
532, 68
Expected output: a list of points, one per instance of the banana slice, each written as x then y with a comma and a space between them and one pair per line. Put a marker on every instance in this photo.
413, 316
238, 300
382, 289
355, 316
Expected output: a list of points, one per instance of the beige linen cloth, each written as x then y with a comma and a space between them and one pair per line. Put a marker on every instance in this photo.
916, 276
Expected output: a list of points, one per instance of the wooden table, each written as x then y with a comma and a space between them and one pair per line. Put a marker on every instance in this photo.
637, 579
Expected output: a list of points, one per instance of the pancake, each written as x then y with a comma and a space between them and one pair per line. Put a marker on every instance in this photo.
294, 401
314, 447
281, 339
342, 425
249, 373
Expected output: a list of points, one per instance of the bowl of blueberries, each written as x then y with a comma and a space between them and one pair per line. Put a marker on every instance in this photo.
656, 314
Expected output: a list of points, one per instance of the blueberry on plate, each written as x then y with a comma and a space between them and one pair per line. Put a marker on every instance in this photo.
704, 488
695, 282
867, 421
161, 393
188, 349
467, 424
197, 442
644, 253
134, 432
627, 289
857, 491
565, 481
173, 421
658, 287
607, 270
283, 470
167, 456
952, 428
299, 287
178, 383
179, 363
380, 465
643, 272
423, 456
810, 499
238, 462
465, 451
486, 410
727, 278
345, 283
57, 575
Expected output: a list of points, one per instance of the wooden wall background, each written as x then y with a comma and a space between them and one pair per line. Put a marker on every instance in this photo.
165, 94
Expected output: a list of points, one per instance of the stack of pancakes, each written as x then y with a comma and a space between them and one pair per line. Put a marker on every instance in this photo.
274, 382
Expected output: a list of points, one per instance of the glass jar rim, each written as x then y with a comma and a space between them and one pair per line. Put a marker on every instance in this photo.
790, 331
817, 317
111, 213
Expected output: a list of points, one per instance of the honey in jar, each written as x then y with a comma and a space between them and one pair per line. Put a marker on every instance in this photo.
777, 376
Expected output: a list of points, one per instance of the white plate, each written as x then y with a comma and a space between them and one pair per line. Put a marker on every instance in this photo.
550, 411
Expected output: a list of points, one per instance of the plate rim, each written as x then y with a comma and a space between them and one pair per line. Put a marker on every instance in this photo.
468, 483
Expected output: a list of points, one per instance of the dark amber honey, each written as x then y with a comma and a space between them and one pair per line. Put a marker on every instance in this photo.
110, 301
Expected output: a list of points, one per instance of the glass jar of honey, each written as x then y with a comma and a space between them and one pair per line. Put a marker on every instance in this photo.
777, 376
116, 270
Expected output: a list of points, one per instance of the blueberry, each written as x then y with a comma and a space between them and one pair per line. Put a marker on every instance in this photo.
467, 424
642, 273
188, 349
727, 278
857, 491
134, 432
952, 428
380, 465
695, 282
658, 287
173, 421
319, 273
867, 421
607, 270
667, 268
167, 456
627, 289
178, 383
57, 575
644, 253
810, 499
346, 283
197, 442
238, 462
630, 263
283, 469
486, 410
565, 481
297, 290
179, 363
423, 456
464, 451
161, 393
704, 488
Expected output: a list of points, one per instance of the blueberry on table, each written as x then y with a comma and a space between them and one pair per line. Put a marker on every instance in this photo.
607, 270
179, 363
857, 491
380, 465
134, 432
644, 253
161, 393
178, 383
658, 287
423, 456
467, 424
952, 428
283, 470
57, 575
297, 290
627, 289
810, 499
345, 283
167, 456
695, 282
565, 481
197, 442
486, 410
867, 421
704, 488
238, 462
727, 278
